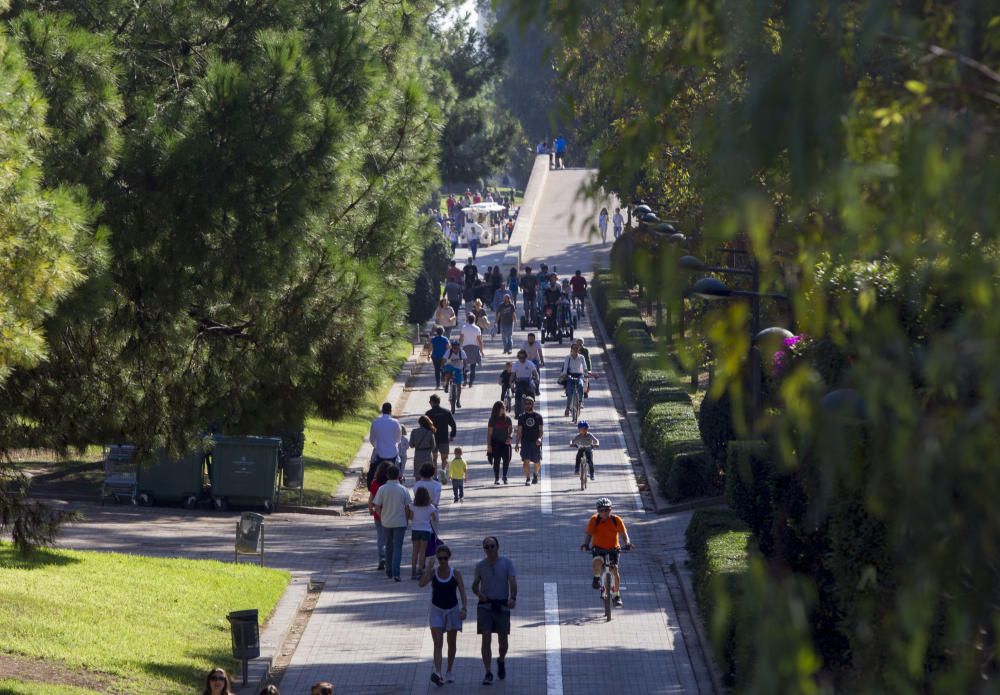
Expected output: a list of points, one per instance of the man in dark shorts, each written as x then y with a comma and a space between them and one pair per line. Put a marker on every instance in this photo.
529, 440
495, 584
444, 430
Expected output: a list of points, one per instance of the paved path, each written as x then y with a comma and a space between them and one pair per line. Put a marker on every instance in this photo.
369, 635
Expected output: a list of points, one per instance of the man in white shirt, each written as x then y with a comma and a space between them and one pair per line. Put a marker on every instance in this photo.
533, 349
471, 339
524, 370
384, 435
392, 502
474, 232
574, 369
619, 222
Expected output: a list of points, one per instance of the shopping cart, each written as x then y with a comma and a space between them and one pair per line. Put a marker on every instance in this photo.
120, 474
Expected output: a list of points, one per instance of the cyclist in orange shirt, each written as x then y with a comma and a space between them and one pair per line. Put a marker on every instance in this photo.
601, 539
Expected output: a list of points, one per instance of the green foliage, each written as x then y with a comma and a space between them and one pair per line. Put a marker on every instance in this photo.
718, 545
257, 177
427, 286
47, 241
872, 203
715, 420
750, 478
692, 474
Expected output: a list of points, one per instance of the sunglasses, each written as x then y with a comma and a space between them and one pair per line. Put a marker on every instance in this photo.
489, 546
216, 678
443, 557
604, 509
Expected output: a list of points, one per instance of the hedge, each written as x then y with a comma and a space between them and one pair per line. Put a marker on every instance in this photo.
670, 433
750, 484
719, 545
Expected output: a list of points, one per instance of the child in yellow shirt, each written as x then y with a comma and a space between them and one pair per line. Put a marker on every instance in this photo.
457, 470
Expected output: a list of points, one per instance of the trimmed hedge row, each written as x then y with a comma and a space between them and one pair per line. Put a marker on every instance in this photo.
670, 432
719, 545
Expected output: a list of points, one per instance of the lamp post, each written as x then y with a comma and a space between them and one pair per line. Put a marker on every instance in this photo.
713, 289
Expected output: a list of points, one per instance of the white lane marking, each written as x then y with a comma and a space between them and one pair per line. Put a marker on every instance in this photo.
553, 641
545, 483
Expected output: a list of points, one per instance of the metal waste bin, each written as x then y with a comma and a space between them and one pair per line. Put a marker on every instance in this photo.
244, 471
246, 637
293, 475
167, 480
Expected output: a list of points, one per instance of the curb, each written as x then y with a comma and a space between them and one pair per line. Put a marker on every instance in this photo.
687, 592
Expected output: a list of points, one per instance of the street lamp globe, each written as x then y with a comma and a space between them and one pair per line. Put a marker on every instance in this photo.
711, 289
690, 263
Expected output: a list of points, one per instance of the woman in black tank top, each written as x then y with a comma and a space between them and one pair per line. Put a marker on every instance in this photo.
447, 586
499, 432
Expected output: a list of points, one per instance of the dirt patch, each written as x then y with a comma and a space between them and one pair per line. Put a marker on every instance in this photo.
54, 673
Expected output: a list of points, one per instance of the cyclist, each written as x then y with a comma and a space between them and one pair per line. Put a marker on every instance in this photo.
586, 358
454, 366
585, 443
601, 540
574, 369
524, 375
533, 349
551, 296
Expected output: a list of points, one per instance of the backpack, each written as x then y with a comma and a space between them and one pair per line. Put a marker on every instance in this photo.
617, 520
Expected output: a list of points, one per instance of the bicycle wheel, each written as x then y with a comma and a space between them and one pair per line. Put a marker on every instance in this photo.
607, 594
583, 473
574, 405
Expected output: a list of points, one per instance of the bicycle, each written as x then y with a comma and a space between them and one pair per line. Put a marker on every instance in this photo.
585, 463
578, 300
574, 398
607, 579
521, 390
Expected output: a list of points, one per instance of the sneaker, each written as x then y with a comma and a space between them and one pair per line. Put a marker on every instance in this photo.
497, 481
527, 481
458, 405
436, 680
395, 579
596, 583
381, 565
504, 481
501, 669
591, 476
617, 601
455, 500
566, 412
448, 678
488, 679
534, 479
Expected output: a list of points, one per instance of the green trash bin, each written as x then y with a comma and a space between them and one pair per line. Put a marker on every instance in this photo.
165, 480
244, 472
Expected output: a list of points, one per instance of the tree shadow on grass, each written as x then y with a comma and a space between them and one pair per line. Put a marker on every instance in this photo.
11, 558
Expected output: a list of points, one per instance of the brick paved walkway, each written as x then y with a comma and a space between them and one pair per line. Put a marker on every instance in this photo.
369, 634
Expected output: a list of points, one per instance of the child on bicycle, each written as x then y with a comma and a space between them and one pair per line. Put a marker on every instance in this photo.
454, 366
601, 539
506, 381
585, 442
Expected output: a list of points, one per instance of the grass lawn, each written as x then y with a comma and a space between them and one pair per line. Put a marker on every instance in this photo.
16, 687
331, 446
131, 623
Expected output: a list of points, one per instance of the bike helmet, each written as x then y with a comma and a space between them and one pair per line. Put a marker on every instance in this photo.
603, 502
583, 423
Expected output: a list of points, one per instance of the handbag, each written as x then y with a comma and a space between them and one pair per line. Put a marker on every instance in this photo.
433, 543
562, 379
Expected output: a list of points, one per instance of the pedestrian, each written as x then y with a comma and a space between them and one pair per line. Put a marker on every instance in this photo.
496, 280
454, 273
513, 285
403, 452
393, 503
425, 480
618, 222
439, 348
458, 470
384, 435
495, 585
472, 343
559, 145
445, 429
474, 232
602, 224
529, 440
218, 682
506, 314
498, 294
424, 518
321, 688
381, 476
499, 431
422, 441
447, 612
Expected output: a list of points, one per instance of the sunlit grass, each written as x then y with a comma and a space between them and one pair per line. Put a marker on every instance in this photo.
157, 625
